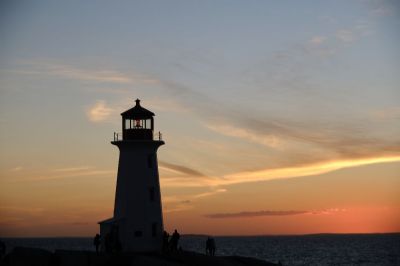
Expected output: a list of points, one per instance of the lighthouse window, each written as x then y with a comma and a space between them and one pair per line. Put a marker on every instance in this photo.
128, 124
154, 230
150, 159
151, 194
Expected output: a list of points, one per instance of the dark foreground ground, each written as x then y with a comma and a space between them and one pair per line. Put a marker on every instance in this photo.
39, 257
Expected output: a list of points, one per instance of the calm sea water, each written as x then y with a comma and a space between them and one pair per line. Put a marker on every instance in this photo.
352, 249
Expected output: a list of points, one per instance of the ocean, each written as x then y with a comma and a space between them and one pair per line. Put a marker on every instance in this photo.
323, 249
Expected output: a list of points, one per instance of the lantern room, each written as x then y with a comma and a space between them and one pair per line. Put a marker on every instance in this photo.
137, 123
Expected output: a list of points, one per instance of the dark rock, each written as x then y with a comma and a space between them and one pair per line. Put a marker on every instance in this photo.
76, 258
39, 257
21, 256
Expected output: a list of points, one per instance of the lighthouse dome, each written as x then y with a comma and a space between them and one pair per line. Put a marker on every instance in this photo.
137, 112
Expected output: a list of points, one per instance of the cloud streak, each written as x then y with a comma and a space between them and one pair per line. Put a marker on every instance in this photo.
317, 40
99, 112
98, 75
175, 168
252, 214
71, 172
184, 202
345, 35
277, 173
73, 169
16, 169
307, 170
232, 131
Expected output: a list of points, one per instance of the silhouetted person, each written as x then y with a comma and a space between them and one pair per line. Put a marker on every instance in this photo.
2, 249
210, 246
213, 247
174, 240
96, 243
165, 241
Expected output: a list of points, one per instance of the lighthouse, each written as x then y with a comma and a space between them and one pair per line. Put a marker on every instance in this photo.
137, 224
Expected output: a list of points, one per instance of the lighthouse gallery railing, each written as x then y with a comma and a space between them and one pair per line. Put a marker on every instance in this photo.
156, 136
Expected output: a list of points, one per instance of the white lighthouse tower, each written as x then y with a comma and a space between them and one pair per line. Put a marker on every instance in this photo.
137, 224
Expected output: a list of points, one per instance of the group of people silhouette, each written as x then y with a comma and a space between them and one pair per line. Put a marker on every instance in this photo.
170, 243
111, 241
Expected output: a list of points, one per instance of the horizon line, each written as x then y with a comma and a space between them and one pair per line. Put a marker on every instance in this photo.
189, 234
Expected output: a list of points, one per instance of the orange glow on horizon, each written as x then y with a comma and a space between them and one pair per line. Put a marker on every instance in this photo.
352, 220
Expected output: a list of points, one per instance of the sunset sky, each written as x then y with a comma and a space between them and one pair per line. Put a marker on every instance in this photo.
279, 117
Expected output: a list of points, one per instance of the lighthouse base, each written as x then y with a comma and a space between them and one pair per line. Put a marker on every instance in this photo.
117, 235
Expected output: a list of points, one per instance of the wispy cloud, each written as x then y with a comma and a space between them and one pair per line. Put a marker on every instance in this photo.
177, 203
175, 168
301, 171
99, 112
382, 11
70, 172
276, 173
189, 198
228, 130
177, 208
73, 169
346, 35
16, 169
361, 29
175, 175
89, 75
251, 214
98, 75
210, 193
382, 8
317, 40
322, 50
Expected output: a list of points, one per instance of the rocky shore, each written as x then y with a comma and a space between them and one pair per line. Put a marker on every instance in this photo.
21, 256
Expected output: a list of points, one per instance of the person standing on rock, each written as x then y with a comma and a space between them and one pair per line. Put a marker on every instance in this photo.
210, 246
96, 243
174, 240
